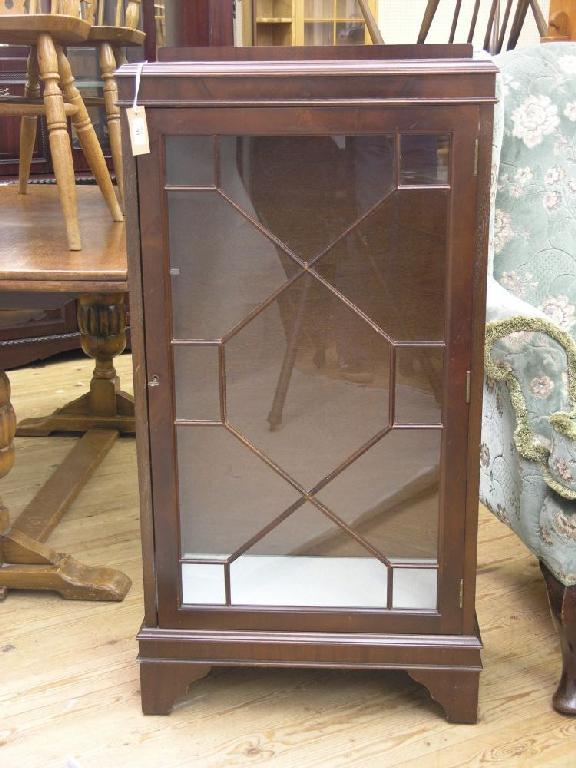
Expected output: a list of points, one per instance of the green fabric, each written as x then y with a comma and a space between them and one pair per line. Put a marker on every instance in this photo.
544, 446
528, 454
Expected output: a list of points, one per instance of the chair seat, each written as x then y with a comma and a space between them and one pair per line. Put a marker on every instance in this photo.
23, 29
116, 35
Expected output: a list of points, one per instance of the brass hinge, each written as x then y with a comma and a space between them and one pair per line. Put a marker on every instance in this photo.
461, 594
476, 147
468, 385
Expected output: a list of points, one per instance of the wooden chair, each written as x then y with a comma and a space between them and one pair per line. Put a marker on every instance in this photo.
46, 26
112, 29
495, 32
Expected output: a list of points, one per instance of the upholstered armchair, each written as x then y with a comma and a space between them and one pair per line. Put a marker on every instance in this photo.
528, 455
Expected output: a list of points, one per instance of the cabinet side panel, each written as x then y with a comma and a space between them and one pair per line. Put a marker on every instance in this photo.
140, 379
478, 298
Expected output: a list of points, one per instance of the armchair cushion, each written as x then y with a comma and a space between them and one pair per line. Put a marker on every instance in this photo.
528, 455
535, 211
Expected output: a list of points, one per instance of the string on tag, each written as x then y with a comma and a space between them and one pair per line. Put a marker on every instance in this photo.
137, 119
139, 68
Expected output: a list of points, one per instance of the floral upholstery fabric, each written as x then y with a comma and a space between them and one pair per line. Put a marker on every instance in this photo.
528, 453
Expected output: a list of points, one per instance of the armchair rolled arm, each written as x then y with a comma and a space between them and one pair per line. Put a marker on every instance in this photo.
537, 361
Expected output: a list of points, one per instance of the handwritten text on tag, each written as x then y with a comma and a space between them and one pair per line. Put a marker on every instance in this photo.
138, 130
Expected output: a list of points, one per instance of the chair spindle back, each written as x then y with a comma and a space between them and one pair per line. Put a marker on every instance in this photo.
497, 25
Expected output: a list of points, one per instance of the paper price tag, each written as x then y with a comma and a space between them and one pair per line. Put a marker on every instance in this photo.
138, 130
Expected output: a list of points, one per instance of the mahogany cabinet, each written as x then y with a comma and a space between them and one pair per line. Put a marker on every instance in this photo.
308, 240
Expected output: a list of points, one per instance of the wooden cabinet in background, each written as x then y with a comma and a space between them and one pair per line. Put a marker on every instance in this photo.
34, 327
170, 23
304, 22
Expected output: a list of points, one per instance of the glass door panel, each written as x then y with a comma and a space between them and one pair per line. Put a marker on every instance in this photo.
308, 292
334, 22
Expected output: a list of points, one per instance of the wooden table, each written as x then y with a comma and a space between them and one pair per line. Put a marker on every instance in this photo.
34, 259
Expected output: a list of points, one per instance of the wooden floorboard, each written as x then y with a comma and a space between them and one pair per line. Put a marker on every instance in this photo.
68, 677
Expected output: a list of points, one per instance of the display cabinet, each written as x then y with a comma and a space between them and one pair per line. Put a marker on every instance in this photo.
305, 22
308, 243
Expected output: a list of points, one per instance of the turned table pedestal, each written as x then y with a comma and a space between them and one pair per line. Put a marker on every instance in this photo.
32, 262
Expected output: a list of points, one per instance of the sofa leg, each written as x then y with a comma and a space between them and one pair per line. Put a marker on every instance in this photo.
563, 607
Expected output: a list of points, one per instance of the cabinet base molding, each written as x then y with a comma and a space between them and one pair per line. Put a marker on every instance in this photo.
448, 666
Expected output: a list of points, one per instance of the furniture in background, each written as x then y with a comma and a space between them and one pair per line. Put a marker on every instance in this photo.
13, 67
113, 28
338, 263
562, 20
36, 332
33, 262
46, 34
500, 20
528, 454
169, 23
306, 22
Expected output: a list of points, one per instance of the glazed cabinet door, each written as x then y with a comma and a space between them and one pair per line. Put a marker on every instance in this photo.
309, 288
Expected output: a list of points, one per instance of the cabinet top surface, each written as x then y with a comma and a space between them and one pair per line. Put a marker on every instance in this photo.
248, 73
320, 60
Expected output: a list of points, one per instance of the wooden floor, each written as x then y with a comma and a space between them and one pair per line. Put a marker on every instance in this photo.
69, 680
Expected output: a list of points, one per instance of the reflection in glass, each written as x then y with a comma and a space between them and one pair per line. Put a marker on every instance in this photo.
349, 33
227, 494
348, 9
318, 33
283, 568
308, 190
273, 9
301, 533
424, 159
318, 9
307, 381
393, 265
196, 382
213, 289
419, 373
190, 161
389, 496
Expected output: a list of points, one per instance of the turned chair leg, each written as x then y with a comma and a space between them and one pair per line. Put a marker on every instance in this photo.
107, 62
60, 148
28, 124
87, 137
563, 608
